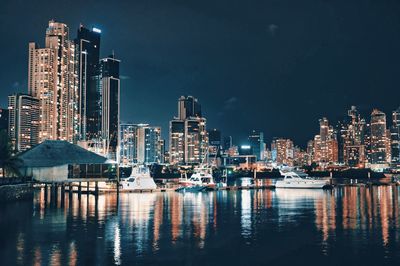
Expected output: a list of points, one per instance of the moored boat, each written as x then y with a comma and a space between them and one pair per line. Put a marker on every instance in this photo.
294, 179
139, 180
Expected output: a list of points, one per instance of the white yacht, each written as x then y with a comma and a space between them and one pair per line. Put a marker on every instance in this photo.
294, 179
202, 178
139, 180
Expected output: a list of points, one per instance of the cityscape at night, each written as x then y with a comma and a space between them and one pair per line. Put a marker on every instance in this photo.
200, 133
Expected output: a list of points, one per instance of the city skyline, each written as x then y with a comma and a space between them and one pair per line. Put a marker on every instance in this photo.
322, 75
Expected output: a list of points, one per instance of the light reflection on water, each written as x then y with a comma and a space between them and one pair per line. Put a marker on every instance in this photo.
238, 227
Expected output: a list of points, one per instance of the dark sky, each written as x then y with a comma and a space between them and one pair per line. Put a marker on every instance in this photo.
273, 65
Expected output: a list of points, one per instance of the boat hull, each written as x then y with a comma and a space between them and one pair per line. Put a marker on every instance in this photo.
316, 184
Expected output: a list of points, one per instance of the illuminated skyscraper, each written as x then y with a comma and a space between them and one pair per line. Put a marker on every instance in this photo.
89, 109
110, 99
325, 149
188, 107
188, 138
256, 141
283, 150
379, 140
23, 124
177, 142
352, 140
140, 143
52, 78
395, 138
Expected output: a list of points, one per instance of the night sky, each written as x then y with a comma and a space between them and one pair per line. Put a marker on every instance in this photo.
273, 65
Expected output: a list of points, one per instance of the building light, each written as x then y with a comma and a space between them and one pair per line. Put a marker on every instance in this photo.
96, 30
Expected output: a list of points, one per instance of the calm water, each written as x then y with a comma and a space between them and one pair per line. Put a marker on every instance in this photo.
346, 226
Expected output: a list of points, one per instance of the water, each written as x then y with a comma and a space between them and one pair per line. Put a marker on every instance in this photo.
346, 226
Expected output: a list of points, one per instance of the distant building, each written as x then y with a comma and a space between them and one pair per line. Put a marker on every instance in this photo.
379, 138
352, 150
52, 78
177, 142
188, 138
110, 87
4, 119
188, 107
214, 142
283, 150
87, 46
325, 145
227, 143
23, 123
140, 143
395, 138
256, 141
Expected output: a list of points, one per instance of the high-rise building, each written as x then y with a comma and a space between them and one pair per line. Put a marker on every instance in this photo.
188, 135
87, 46
325, 149
228, 143
196, 140
215, 142
140, 143
52, 78
23, 123
395, 138
188, 107
352, 150
4, 119
110, 99
177, 142
283, 150
379, 140
256, 141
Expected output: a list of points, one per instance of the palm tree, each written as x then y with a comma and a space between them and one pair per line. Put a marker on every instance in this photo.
9, 164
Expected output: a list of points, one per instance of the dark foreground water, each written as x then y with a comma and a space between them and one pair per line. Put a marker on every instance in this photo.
346, 226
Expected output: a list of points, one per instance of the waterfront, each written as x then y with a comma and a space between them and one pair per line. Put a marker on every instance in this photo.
344, 226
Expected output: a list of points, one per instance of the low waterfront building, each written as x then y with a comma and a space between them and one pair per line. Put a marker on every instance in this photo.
56, 161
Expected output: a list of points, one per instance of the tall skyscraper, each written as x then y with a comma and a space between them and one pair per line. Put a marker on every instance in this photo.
395, 138
352, 140
188, 135
140, 143
177, 141
52, 78
214, 142
89, 102
110, 88
283, 150
228, 143
256, 141
23, 124
325, 149
188, 107
379, 139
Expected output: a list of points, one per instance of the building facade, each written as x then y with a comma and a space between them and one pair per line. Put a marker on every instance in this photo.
188, 137
110, 104
256, 141
379, 138
24, 122
52, 78
87, 46
140, 143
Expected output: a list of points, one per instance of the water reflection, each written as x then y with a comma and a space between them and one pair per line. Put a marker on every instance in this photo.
360, 222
